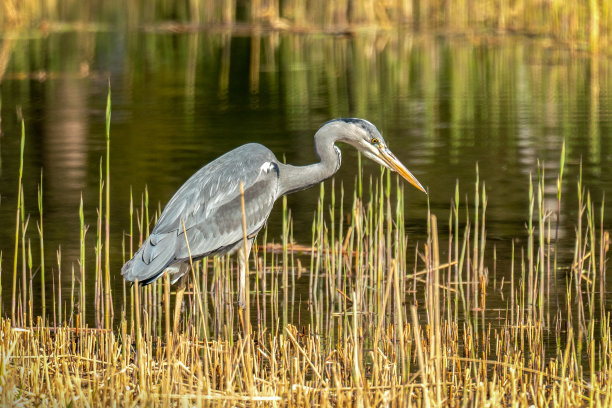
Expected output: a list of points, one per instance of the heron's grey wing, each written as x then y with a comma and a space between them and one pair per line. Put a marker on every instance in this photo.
209, 206
219, 227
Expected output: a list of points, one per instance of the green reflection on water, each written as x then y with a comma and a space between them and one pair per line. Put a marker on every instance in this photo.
182, 99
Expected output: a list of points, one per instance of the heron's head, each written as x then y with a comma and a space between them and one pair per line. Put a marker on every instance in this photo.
364, 136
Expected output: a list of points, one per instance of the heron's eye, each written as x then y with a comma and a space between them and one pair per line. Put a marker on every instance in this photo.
374, 141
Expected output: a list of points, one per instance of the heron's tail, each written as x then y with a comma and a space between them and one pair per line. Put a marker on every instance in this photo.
149, 262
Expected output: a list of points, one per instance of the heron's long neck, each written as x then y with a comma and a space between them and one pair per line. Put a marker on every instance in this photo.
296, 178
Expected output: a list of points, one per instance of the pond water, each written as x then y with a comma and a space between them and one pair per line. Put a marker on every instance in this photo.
443, 103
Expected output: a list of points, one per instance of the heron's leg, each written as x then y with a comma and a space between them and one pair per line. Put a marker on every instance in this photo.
243, 258
181, 285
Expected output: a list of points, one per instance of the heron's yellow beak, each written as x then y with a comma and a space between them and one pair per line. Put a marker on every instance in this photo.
396, 165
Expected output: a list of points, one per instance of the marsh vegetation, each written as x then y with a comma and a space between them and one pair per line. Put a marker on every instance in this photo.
381, 325
491, 291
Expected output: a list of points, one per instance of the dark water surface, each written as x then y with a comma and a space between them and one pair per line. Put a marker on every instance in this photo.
181, 99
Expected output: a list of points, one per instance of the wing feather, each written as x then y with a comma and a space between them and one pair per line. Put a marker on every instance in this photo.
209, 205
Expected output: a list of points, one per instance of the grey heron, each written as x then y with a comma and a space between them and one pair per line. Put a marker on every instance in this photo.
207, 208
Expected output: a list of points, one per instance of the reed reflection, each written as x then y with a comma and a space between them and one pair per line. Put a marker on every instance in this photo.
443, 104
